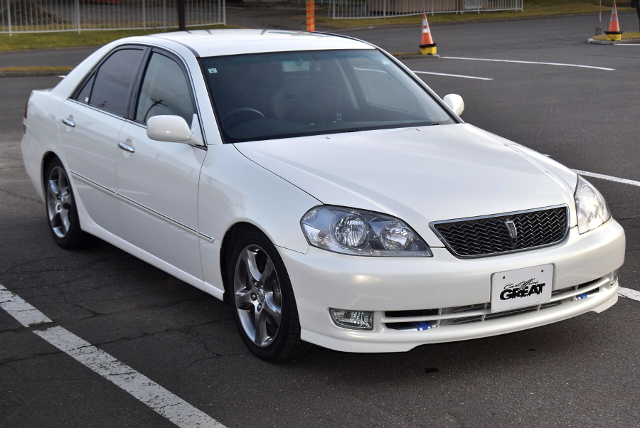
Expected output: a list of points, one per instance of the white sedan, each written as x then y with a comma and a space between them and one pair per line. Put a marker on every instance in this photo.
320, 188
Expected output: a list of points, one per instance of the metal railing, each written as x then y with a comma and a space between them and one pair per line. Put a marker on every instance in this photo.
349, 9
34, 16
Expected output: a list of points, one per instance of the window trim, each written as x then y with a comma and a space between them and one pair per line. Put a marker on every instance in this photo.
94, 70
135, 98
147, 48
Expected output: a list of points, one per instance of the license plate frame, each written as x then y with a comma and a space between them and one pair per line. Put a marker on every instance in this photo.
519, 288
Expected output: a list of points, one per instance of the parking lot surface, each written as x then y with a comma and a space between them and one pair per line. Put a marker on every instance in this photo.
581, 108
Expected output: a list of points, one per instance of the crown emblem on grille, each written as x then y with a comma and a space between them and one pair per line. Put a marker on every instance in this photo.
513, 232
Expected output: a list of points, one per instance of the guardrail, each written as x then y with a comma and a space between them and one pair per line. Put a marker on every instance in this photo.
36, 16
350, 9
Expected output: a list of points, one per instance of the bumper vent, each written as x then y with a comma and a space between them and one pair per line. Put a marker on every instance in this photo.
503, 233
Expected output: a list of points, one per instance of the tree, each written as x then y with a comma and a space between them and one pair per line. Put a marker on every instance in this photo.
636, 4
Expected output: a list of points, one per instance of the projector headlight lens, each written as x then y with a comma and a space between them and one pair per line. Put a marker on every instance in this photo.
361, 233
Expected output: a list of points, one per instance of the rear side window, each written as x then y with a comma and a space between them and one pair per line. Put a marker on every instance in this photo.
113, 81
164, 91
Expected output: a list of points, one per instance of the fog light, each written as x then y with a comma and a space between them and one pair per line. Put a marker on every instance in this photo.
359, 320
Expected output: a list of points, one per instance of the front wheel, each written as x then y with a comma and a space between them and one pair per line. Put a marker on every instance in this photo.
262, 299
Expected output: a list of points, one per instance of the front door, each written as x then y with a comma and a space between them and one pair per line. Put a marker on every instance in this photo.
158, 181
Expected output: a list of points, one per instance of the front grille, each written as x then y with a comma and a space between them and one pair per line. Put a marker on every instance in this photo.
490, 235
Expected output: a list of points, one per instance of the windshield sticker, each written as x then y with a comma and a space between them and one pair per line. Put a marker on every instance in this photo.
386, 62
212, 71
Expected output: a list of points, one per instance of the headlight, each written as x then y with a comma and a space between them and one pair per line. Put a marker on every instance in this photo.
361, 233
591, 207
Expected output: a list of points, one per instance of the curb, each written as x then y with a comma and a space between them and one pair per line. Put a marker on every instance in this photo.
32, 73
64, 48
608, 42
471, 21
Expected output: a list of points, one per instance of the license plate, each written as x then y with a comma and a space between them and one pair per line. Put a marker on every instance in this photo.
518, 288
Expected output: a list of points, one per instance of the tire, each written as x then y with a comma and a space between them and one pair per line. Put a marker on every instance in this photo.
60, 206
261, 295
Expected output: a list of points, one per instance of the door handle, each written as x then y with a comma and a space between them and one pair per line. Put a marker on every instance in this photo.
127, 147
68, 122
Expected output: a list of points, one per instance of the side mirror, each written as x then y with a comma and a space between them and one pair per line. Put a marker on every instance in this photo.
169, 128
455, 103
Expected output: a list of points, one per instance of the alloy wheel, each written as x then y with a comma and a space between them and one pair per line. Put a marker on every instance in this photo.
59, 202
257, 294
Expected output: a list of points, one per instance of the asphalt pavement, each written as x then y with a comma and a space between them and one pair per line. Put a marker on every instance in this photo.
580, 372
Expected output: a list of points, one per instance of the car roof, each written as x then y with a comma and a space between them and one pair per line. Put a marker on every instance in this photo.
234, 42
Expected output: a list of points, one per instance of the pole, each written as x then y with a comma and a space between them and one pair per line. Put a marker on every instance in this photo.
181, 22
224, 12
311, 15
144, 16
164, 14
77, 14
9, 16
599, 29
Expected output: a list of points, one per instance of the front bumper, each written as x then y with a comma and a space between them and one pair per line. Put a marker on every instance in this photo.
323, 280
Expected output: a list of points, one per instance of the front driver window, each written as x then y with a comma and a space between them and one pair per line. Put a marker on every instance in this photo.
164, 91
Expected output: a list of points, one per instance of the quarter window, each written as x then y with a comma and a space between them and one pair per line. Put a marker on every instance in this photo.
164, 91
85, 93
114, 80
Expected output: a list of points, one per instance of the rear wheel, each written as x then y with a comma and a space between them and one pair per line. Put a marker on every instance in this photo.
262, 299
61, 208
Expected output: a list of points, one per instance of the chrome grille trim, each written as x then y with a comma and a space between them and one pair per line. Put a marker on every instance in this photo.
435, 224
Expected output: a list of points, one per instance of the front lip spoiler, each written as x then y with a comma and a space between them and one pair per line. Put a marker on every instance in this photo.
402, 341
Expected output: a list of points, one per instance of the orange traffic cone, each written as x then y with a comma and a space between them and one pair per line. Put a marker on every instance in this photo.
427, 47
614, 32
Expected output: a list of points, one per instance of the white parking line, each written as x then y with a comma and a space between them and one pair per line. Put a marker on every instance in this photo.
629, 293
530, 62
452, 75
141, 387
608, 177
628, 44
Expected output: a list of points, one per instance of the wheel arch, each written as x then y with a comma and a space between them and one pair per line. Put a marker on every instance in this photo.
231, 235
46, 160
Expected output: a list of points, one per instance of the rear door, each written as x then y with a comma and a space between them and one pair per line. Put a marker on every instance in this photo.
90, 126
158, 181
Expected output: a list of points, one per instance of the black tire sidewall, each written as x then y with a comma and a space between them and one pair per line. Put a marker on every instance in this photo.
74, 229
273, 350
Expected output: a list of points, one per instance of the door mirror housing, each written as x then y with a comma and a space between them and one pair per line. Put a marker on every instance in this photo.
455, 103
169, 128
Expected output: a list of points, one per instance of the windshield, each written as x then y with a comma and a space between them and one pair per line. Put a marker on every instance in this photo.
288, 94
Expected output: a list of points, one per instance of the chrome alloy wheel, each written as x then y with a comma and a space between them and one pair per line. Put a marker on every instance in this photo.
257, 295
59, 201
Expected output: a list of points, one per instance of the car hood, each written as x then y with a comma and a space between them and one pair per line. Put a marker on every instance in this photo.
419, 175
